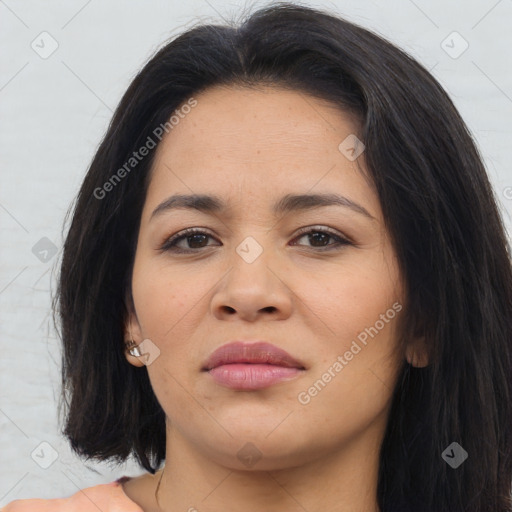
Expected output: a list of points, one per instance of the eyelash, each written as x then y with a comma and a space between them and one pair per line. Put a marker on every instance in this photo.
170, 244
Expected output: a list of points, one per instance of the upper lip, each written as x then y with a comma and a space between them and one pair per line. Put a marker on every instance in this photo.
250, 352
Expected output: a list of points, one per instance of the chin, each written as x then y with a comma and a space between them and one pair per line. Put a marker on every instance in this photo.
257, 456
262, 447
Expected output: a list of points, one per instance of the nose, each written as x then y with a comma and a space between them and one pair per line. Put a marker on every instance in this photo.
252, 291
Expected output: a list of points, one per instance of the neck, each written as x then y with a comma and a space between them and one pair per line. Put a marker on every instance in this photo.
343, 481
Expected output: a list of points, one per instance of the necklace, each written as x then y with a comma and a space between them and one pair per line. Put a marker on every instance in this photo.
157, 488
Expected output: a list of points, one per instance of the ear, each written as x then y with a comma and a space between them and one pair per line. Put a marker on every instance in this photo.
132, 332
416, 353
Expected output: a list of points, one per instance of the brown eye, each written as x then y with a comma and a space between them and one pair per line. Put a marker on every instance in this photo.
194, 238
318, 238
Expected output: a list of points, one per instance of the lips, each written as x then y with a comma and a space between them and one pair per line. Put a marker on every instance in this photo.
259, 352
251, 365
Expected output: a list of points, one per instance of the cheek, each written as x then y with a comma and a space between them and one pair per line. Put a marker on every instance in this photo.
167, 301
352, 382
351, 297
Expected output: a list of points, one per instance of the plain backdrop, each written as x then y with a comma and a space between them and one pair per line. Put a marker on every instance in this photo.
63, 68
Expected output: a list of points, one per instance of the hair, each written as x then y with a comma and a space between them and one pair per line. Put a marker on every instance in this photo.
439, 209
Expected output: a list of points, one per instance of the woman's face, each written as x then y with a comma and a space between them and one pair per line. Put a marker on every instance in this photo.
253, 275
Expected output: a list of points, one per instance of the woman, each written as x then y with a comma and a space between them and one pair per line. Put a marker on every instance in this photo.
287, 276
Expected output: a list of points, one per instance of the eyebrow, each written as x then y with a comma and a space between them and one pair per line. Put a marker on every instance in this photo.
288, 203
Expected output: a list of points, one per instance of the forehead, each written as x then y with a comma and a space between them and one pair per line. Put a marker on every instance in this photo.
249, 143
234, 113
240, 122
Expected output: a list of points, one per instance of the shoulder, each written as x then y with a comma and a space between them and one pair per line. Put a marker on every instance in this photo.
106, 497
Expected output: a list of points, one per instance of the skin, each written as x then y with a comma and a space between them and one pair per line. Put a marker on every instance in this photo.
251, 147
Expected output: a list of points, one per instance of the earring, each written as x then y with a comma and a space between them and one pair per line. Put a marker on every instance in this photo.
132, 347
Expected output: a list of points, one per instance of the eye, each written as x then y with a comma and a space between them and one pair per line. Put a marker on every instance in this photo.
320, 236
195, 238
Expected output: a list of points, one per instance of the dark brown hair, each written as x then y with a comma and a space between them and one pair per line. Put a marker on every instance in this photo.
439, 209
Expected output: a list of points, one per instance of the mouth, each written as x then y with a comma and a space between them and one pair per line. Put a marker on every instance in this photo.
251, 365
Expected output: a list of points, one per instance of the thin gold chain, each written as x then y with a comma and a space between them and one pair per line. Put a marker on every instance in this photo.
158, 487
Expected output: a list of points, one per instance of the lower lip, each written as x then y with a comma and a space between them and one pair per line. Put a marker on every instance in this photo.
245, 376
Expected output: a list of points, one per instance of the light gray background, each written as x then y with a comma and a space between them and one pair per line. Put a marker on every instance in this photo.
54, 112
